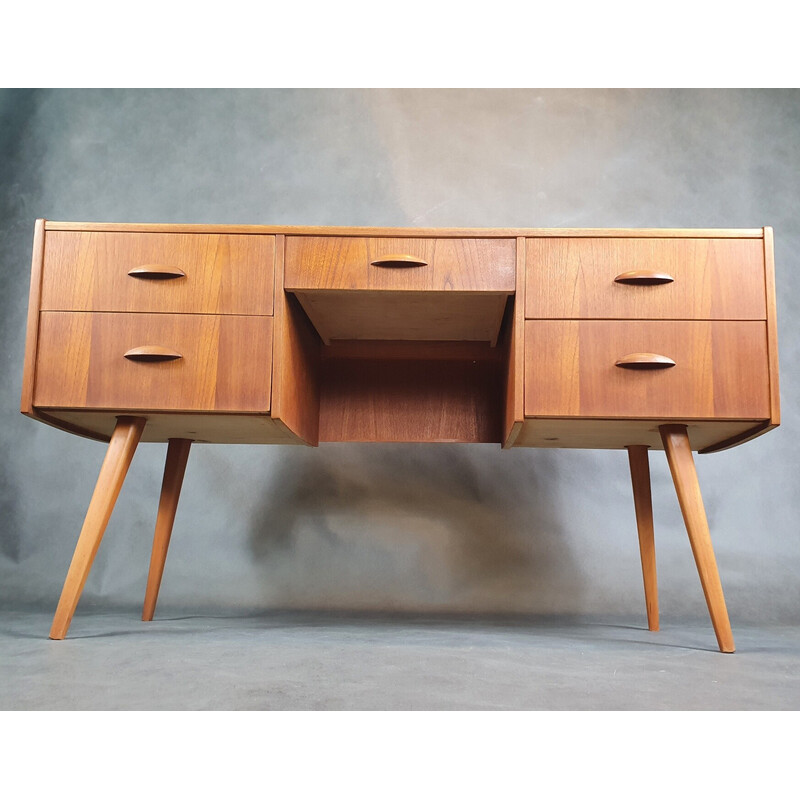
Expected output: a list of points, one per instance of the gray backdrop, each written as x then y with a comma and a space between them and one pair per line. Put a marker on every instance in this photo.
460, 528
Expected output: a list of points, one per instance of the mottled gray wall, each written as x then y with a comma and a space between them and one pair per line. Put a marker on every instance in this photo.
400, 527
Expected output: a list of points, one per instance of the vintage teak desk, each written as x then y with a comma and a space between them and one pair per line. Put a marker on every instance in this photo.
625, 339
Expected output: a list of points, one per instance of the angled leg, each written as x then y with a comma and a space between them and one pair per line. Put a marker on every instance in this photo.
177, 456
642, 500
118, 458
684, 476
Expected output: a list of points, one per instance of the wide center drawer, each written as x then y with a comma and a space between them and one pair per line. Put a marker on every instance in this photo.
167, 362
645, 278
607, 369
402, 288
158, 272
400, 264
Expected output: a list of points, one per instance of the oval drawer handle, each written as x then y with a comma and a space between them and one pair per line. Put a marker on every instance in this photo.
156, 272
398, 261
644, 361
644, 277
152, 353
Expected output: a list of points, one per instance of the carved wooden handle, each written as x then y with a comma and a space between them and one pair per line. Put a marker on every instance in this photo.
152, 353
398, 261
644, 277
156, 272
644, 361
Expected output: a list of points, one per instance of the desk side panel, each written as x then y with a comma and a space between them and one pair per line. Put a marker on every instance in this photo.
515, 356
32, 331
772, 328
295, 362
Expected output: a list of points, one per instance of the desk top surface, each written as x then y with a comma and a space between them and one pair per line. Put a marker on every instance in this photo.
316, 230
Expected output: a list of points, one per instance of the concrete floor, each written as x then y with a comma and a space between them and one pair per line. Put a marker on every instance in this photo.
305, 660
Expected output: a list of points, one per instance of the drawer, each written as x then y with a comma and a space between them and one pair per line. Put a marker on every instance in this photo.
645, 278
223, 364
720, 369
172, 272
400, 264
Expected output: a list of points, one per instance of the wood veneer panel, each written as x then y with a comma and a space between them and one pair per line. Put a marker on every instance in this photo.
225, 363
424, 400
713, 278
458, 265
721, 369
296, 353
616, 434
412, 351
216, 428
394, 315
32, 330
772, 328
738, 438
224, 274
515, 356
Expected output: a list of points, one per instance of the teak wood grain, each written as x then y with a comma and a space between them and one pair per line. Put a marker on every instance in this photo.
224, 274
452, 265
712, 279
601, 433
400, 391
296, 358
514, 410
225, 363
393, 315
404, 350
721, 369
32, 328
201, 427
772, 328
395, 400
458, 291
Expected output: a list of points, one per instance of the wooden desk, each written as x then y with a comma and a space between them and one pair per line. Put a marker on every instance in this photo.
626, 339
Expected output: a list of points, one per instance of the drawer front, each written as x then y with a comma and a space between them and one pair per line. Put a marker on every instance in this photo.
720, 369
224, 365
462, 265
575, 278
172, 272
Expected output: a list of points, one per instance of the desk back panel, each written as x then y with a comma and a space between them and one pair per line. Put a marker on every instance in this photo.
411, 392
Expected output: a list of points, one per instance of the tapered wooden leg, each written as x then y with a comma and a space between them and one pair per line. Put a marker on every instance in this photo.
642, 500
684, 475
177, 456
118, 458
